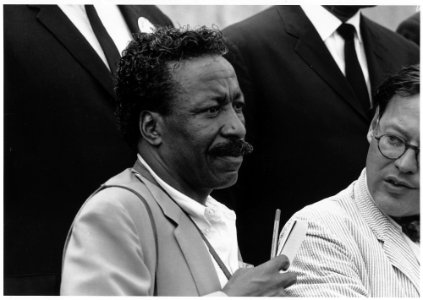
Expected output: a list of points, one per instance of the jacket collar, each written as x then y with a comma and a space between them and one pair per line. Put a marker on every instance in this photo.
317, 13
394, 245
56, 22
310, 47
186, 234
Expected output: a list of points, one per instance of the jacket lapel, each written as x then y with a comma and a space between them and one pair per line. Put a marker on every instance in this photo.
376, 54
191, 243
199, 261
401, 256
130, 16
52, 17
314, 52
396, 248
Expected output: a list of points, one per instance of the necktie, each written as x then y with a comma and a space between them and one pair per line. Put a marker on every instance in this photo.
106, 42
353, 70
410, 226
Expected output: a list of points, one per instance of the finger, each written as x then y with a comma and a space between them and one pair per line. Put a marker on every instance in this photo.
276, 264
283, 262
287, 279
282, 293
275, 293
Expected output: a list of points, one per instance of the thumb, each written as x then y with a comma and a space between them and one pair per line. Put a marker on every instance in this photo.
281, 262
277, 263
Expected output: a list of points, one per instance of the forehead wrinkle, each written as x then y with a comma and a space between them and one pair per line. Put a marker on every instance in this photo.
184, 72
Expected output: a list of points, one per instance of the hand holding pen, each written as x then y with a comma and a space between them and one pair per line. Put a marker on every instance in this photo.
268, 279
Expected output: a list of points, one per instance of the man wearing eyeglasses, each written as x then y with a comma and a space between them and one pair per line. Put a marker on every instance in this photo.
365, 241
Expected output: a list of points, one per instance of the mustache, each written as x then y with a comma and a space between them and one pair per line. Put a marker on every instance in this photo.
235, 147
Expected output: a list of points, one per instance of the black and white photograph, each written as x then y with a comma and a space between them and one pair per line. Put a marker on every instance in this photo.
265, 149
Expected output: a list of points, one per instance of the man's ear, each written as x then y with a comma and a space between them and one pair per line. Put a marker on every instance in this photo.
149, 126
373, 126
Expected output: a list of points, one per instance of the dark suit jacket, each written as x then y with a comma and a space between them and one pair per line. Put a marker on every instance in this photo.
410, 28
61, 139
308, 129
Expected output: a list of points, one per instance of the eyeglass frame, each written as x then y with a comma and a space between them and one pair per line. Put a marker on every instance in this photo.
407, 146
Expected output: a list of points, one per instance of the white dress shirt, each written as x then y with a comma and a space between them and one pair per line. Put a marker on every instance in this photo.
215, 220
112, 20
326, 25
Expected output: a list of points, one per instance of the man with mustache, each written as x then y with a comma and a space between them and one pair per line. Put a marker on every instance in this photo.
365, 240
154, 229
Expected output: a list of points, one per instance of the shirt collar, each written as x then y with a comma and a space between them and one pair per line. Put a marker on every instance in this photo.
317, 13
189, 205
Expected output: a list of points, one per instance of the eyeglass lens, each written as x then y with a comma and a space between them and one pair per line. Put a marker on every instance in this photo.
393, 147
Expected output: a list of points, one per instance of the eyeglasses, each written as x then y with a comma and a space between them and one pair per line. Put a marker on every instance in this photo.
393, 147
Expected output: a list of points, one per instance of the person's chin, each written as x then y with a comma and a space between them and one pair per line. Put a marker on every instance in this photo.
394, 204
228, 183
227, 179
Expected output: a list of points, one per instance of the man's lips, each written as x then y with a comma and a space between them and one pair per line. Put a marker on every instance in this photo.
231, 159
229, 163
397, 182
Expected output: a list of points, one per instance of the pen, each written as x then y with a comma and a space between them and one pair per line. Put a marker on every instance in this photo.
275, 233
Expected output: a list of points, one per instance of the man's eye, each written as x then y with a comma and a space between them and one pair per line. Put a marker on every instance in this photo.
394, 141
213, 110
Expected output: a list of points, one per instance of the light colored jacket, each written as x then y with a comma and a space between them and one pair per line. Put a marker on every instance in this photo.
352, 249
111, 249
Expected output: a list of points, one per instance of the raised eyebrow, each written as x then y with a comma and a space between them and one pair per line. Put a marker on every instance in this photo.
221, 99
237, 95
404, 135
224, 99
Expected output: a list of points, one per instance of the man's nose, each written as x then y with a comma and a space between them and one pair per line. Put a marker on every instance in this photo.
408, 163
234, 125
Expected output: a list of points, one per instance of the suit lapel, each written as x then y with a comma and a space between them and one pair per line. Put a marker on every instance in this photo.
130, 16
199, 261
314, 52
401, 256
190, 242
396, 248
52, 17
376, 55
